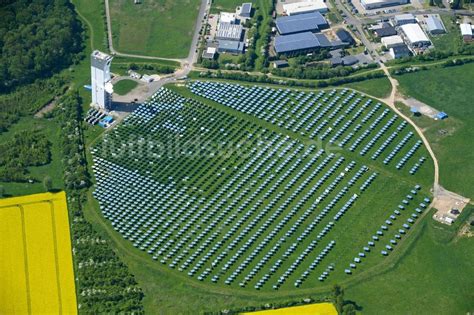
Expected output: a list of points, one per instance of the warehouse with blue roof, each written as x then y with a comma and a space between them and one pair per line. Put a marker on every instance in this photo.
308, 22
306, 42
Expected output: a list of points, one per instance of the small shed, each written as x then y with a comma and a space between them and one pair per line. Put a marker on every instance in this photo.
280, 64
441, 115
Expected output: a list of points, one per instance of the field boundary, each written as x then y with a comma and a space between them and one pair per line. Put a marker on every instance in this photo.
25, 259
56, 258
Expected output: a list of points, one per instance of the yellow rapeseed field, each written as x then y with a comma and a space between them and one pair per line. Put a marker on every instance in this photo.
311, 309
36, 271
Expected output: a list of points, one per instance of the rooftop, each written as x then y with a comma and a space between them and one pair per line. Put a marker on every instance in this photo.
406, 16
466, 29
246, 8
414, 33
300, 23
229, 31
300, 41
433, 23
231, 45
306, 6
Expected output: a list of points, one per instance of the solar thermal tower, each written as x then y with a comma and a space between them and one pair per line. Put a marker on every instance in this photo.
102, 88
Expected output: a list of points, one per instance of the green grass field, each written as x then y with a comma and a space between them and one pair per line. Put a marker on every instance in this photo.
228, 5
446, 89
122, 87
154, 28
432, 278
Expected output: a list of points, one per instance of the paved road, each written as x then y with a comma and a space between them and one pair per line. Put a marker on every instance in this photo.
368, 18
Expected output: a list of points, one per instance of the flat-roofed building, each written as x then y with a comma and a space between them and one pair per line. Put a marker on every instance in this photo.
311, 22
227, 17
307, 6
300, 43
392, 41
209, 53
245, 10
466, 32
230, 46
229, 31
403, 19
400, 51
415, 36
376, 4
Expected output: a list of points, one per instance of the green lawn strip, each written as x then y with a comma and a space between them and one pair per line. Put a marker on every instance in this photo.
379, 87
122, 87
93, 14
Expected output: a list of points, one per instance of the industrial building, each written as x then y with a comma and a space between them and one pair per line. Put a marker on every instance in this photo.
209, 53
434, 25
345, 37
311, 22
229, 31
392, 41
299, 43
466, 32
307, 6
227, 17
403, 19
399, 51
376, 4
415, 36
384, 30
245, 10
230, 46
102, 88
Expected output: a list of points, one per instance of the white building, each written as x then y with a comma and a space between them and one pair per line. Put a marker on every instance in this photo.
229, 31
392, 41
376, 4
466, 31
415, 35
307, 6
102, 88
227, 17
402, 19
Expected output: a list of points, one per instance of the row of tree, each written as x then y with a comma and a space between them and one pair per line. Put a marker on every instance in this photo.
37, 39
318, 71
243, 76
105, 285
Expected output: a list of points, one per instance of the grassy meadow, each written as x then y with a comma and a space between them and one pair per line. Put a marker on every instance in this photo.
154, 28
447, 89
122, 87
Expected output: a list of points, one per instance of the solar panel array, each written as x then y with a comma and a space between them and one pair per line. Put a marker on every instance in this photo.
224, 199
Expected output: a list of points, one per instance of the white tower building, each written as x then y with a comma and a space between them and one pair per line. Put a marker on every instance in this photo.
102, 88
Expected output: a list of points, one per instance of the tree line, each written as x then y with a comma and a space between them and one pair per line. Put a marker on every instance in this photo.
105, 285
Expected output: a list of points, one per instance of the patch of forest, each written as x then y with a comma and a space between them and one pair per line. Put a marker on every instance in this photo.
37, 39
